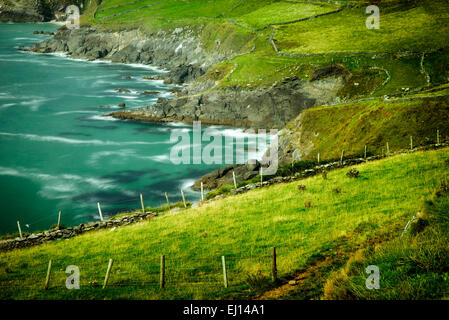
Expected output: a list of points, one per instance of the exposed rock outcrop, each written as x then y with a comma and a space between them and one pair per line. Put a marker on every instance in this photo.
34, 10
179, 52
265, 107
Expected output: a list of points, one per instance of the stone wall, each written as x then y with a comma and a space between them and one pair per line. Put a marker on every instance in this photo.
65, 233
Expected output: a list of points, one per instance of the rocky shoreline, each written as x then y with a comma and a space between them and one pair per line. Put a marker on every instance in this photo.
182, 54
179, 52
35, 11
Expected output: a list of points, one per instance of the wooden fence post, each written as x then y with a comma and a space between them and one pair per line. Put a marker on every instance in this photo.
168, 202
342, 155
318, 158
365, 152
59, 219
274, 271
388, 148
233, 178
438, 136
202, 192
108, 272
20, 230
225, 275
141, 202
47, 279
162, 278
184, 198
411, 142
99, 211
261, 175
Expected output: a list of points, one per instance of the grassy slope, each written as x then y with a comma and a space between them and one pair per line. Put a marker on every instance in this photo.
371, 123
243, 228
417, 26
414, 266
402, 28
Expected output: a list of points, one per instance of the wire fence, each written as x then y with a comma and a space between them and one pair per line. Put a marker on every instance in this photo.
143, 273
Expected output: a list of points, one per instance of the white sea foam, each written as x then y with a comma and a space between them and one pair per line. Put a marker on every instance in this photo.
58, 186
24, 38
34, 102
160, 158
103, 118
73, 112
133, 65
175, 124
34, 137
181, 130
124, 154
127, 97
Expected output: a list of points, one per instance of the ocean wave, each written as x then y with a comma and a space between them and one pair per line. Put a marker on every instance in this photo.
103, 118
179, 130
186, 184
176, 124
24, 38
73, 112
58, 186
132, 65
34, 137
159, 158
124, 154
127, 97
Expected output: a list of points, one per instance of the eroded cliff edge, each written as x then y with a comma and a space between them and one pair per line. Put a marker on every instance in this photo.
182, 53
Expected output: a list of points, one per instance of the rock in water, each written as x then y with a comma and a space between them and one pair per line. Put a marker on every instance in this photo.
123, 90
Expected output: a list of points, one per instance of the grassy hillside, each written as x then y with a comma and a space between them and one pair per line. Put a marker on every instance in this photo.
372, 123
414, 266
403, 53
369, 209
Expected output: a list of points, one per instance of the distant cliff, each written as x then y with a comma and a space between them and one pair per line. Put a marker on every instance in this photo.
34, 10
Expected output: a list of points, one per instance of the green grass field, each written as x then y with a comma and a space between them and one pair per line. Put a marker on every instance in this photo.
383, 61
243, 228
372, 123
414, 266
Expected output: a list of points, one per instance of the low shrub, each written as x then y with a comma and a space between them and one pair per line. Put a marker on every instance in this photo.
353, 173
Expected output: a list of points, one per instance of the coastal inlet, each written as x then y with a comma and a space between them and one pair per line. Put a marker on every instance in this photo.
58, 150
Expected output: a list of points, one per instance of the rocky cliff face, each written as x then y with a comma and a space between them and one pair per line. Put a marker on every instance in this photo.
180, 51
34, 10
265, 107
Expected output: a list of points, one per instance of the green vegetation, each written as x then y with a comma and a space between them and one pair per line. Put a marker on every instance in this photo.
371, 123
381, 61
407, 27
414, 266
279, 12
375, 206
161, 209
319, 230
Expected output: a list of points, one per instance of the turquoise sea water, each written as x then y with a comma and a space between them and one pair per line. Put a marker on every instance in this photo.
59, 153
